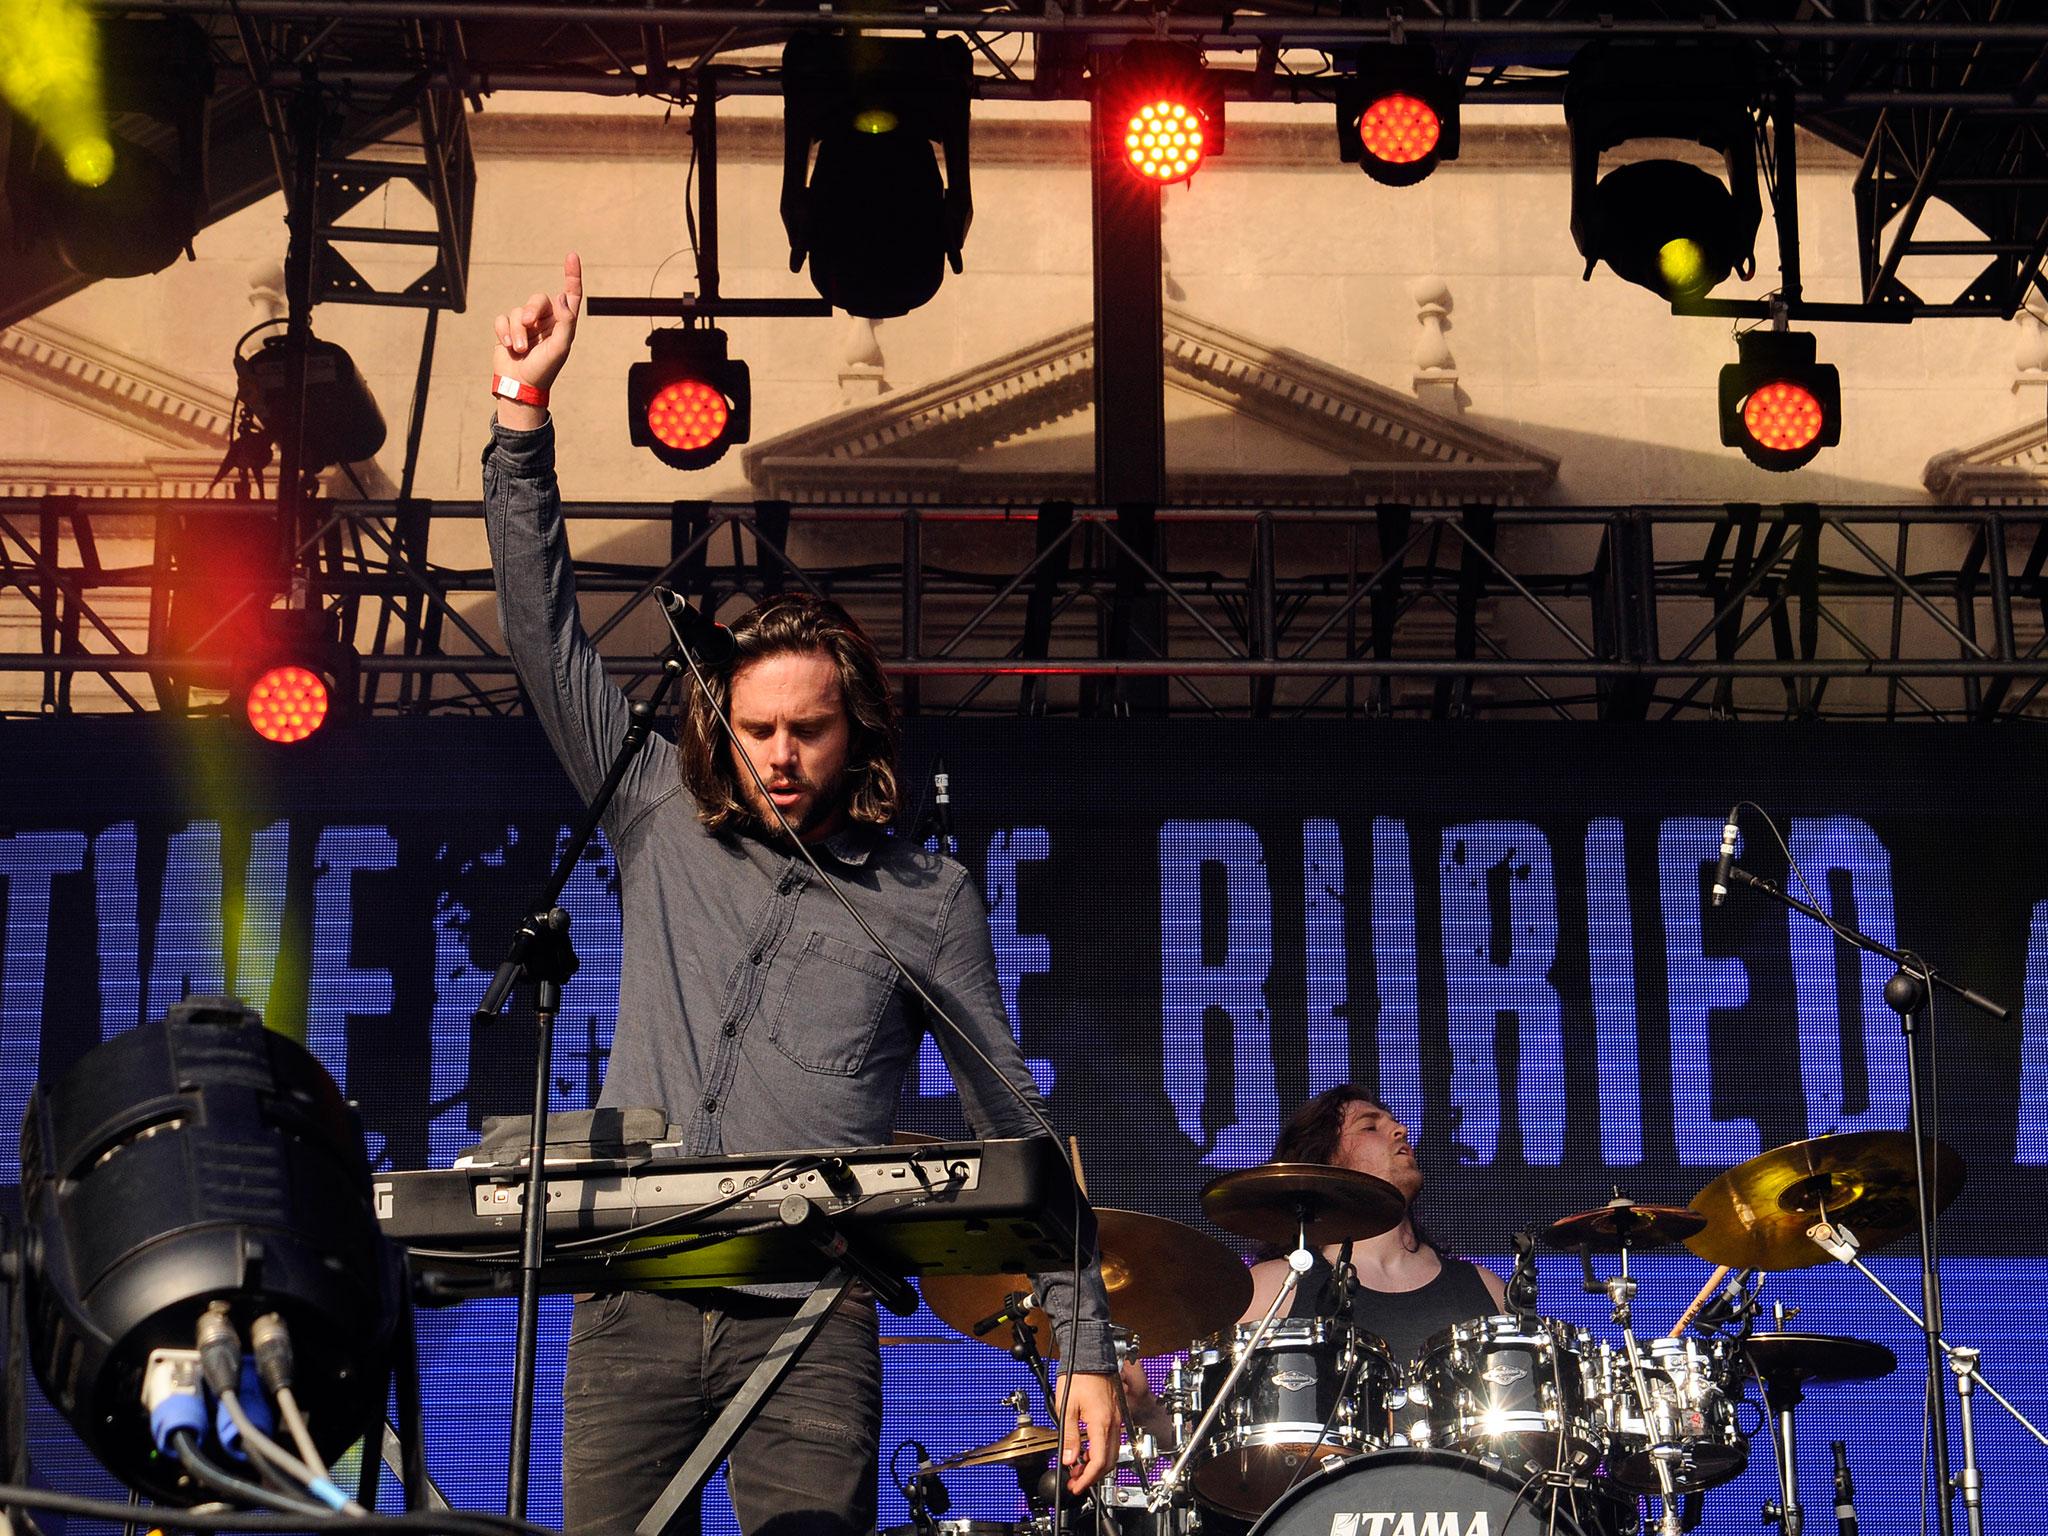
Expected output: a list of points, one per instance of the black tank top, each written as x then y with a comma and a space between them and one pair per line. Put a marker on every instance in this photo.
1405, 1319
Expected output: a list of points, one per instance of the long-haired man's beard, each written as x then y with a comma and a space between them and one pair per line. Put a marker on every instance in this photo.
823, 802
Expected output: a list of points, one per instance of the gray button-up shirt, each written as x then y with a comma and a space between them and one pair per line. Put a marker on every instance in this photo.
752, 1009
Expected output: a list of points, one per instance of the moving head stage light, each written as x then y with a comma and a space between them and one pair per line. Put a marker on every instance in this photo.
198, 1160
1663, 224
871, 214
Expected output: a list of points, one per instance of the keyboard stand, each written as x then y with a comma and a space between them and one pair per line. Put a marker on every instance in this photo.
848, 1269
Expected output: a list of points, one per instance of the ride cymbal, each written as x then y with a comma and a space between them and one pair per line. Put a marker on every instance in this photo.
1274, 1202
1167, 1283
1758, 1212
1622, 1224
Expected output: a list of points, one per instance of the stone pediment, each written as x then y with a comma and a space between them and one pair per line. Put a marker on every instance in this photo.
2011, 467
88, 375
1328, 437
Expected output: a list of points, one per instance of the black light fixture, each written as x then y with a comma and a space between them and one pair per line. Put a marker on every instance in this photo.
200, 1159
298, 677
872, 214
343, 423
136, 210
1161, 110
1778, 405
692, 401
1665, 225
1397, 115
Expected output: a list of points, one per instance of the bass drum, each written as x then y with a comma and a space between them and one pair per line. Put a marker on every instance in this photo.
1441, 1493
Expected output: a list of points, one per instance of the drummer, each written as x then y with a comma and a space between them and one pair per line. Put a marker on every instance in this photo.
1406, 1287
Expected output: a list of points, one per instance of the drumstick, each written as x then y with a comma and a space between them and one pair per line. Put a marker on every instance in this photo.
1720, 1273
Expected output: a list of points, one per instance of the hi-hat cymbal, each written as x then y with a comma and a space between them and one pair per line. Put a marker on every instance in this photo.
1167, 1283
1758, 1212
1822, 1357
1622, 1223
1275, 1201
1019, 1448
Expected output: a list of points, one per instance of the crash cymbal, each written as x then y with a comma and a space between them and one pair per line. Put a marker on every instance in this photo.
1621, 1223
1167, 1283
1019, 1448
1271, 1202
1823, 1357
1758, 1212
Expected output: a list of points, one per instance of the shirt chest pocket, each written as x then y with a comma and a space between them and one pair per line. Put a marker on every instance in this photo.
832, 1006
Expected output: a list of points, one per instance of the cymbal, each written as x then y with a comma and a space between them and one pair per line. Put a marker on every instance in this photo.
1622, 1223
1272, 1201
1758, 1212
1167, 1283
1019, 1448
1819, 1357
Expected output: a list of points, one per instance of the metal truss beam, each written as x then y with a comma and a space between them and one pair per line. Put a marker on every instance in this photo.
1646, 612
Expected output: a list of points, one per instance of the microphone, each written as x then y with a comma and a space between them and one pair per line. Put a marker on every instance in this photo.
1015, 1308
1727, 857
1727, 1306
698, 633
1845, 1491
928, 1496
942, 807
1522, 1281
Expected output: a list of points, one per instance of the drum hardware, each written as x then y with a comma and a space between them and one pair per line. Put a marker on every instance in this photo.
1313, 1390
1301, 1203
1839, 1243
1517, 1392
1174, 1477
1618, 1227
1785, 1363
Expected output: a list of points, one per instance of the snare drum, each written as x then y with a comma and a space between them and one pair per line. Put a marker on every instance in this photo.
1691, 1412
1306, 1373
1523, 1393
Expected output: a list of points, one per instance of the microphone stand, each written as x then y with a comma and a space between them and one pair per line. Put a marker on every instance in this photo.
1906, 993
540, 952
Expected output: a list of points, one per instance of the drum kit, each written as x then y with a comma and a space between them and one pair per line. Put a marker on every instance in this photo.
1309, 1426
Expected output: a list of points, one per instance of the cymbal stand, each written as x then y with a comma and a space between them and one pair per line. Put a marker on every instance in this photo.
1906, 994
1842, 1246
1621, 1295
1299, 1263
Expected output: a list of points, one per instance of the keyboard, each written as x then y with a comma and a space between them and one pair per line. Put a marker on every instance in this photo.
657, 1221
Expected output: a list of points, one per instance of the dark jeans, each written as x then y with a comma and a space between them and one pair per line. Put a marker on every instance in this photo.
648, 1372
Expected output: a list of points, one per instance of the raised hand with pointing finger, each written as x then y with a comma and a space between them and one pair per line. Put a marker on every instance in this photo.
532, 345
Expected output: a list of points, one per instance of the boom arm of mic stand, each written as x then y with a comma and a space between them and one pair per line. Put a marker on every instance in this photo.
644, 712
1849, 935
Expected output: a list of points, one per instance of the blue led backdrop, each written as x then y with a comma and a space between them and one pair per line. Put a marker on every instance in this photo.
1504, 930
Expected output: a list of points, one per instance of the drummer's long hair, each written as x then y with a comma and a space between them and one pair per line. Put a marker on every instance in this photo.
1311, 1135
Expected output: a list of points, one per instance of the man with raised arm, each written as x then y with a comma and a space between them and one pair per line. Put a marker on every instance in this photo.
752, 1008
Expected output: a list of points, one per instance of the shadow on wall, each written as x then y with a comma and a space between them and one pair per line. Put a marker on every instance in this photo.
1599, 469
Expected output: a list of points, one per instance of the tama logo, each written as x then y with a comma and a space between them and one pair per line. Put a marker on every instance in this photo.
1404, 1522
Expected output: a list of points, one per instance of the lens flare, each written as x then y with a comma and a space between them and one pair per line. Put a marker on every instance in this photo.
1164, 140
